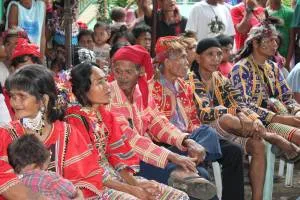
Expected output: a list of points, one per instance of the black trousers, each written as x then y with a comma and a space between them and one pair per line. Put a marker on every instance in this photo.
232, 171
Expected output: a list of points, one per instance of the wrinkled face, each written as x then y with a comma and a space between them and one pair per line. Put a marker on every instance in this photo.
168, 5
210, 59
191, 51
267, 47
24, 104
227, 52
177, 64
26, 3
127, 74
144, 40
99, 92
86, 41
10, 46
101, 35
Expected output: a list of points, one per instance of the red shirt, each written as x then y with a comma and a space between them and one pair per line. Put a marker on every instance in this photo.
237, 14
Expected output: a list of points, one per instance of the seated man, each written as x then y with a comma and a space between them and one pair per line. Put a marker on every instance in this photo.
143, 124
263, 87
215, 96
174, 98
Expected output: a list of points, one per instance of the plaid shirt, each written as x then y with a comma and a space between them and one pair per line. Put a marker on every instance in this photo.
141, 126
48, 184
257, 84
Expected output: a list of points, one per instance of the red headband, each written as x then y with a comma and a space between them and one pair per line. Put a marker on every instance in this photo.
25, 48
161, 49
138, 55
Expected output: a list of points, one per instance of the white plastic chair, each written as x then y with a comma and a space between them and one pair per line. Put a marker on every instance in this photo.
289, 172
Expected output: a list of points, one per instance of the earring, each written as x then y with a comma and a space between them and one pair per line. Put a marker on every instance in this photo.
36, 124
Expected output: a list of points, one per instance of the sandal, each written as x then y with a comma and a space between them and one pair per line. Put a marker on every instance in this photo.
194, 186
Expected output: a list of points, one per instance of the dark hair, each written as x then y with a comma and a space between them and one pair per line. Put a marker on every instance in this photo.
117, 14
246, 50
224, 40
81, 82
26, 150
123, 32
102, 25
21, 59
114, 48
189, 34
84, 33
37, 80
139, 29
8, 36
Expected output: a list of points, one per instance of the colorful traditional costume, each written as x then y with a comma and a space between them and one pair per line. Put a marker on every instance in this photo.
71, 158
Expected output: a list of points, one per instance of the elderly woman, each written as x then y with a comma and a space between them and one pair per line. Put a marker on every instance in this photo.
262, 85
115, 155
215, 96
33, 97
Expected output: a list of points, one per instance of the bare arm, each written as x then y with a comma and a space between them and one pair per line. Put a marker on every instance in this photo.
21, 192
244, 26
147, 8
291, 49
43, 38
13, 16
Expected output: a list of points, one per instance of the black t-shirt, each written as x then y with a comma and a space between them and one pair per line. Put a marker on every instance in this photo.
164, 29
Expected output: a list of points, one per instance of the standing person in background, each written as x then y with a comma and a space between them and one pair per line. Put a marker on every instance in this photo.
142, 34
226, 65
169, 20
102, 33
29, 15
209, 18
293, 81
244, 16
287, 45
296, 29
85, 39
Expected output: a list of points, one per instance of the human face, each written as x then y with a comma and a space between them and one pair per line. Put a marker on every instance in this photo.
176, 65
101, 36
86, 41
267, 47
127, 74
191, 51
24, 104
144, 40
99, 92
210, 59
10, 45
168, 5
26, 3
227, 52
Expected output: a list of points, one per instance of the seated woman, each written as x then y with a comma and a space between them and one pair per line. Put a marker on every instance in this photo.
262, 85
34, 99
115, 155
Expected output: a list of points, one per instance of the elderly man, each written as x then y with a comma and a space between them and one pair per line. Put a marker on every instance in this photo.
174, 98
144, 125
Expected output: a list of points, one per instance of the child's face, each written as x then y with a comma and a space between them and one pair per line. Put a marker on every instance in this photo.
227, 52
144, 40
101, 35
86, 41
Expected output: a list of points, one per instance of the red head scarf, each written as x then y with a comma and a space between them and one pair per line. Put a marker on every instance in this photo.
161, 48
25, 48
140, 56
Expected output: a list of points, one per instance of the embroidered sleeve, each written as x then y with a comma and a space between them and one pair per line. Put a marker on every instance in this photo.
240, 78
161, 129
144, 146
